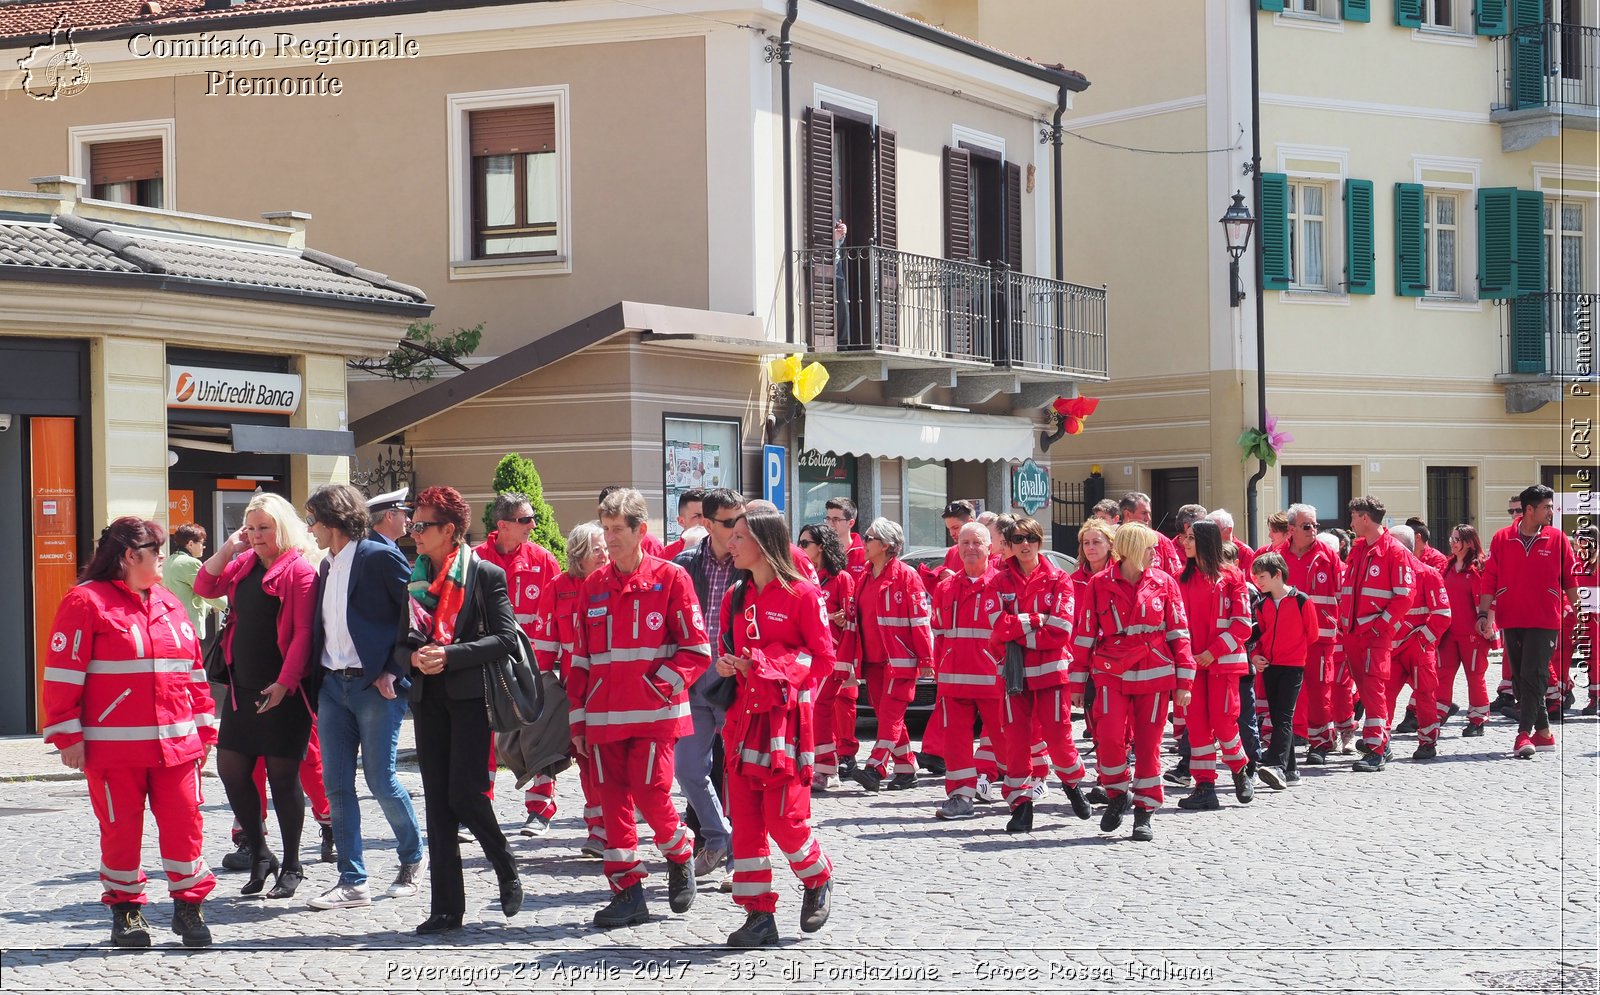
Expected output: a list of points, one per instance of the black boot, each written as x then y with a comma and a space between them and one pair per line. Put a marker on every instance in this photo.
1097, 796
511, 895
1112, 818
1407, 724
1021, 817
815, 906
1244, 788
903, 782
128, 928
241, 857
680, 886
1143, 832
328, 855
760, 929
932, 764
1080, 804
190, 925
847, 767
627, 908
868, 778
1202, 799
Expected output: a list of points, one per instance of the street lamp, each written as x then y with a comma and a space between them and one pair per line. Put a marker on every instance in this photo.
1237, 224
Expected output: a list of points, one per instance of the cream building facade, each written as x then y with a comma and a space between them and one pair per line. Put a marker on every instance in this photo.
1391, 133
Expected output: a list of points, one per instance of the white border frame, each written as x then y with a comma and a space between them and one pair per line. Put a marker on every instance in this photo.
82, 136
1467, 38
1334, 241
982, 139
821, 93
459, 172
1466, 234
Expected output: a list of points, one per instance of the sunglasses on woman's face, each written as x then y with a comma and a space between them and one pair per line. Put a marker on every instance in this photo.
417, 526
1019, 538
807, 543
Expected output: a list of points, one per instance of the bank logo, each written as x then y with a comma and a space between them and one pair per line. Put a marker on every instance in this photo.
52, 71
185, 387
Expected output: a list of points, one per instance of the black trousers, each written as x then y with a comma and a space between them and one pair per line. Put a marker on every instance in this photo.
1249, 728
1282, 685
1529, 651
453, 751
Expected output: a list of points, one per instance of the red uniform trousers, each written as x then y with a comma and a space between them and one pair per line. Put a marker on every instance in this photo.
637, 773
118, 795
1368, 661
1050, 711
933, 735
1115, 715
1467, 653
961, 763
1561, 663
890, 697
782, 812
1342, 700
1302, 724
310, 783
1317, 697
1415, 664
1213, 723
833, 720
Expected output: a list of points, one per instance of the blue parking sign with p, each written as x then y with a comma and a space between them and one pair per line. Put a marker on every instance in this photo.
774, 475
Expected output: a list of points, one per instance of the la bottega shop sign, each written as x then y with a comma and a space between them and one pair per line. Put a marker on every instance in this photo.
201, 389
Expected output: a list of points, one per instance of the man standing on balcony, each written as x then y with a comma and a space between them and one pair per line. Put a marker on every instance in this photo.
841, 286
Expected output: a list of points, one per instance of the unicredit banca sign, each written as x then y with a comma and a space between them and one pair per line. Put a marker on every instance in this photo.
201, 389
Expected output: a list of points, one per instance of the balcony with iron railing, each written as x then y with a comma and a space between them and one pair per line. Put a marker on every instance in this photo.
910, 309
1547, 78
1547, 342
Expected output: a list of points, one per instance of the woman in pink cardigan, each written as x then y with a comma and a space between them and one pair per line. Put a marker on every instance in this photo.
270, 583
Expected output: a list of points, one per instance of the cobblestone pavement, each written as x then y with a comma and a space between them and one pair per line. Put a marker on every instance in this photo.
1473, 872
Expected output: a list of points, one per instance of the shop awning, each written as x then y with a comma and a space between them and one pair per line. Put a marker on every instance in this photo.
272, 439
915, 433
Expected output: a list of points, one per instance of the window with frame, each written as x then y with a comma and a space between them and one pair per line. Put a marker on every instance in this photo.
1328, 9
1325, 488
1440, 242
516, 182
127, 172
1444, 16
1564, 248
1449, 505
1308, 235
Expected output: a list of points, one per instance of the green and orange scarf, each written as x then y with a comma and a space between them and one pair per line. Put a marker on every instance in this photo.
442, 595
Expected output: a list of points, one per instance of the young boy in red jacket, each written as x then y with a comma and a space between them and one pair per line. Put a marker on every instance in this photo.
1288, 626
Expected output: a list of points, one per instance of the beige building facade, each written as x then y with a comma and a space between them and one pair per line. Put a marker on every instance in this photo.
601, 185
1395, 352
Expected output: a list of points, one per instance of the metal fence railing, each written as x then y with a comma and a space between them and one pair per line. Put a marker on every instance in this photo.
1549, 334
1548, 64
1052, 325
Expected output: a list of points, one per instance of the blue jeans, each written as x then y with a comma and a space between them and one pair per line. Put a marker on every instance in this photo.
352, 714
1249, 730
691, 760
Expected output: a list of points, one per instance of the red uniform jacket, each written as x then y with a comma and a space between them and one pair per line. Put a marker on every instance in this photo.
1429, 616
1376, 593
1432, 557
651, 546
1528, 583
1288, 628
1035, 611
1080, 604
641, 643
894, 620
1247, 556
768, 732
856, 559
839, 593
966, 666
1462, 589
292, 580
529, 570
1136, 634
1167, 556
1219, 618
123, 677
556, 623
1317, 575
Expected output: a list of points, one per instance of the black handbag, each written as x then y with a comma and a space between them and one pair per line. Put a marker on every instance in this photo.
216, 658
722, 692
512, 694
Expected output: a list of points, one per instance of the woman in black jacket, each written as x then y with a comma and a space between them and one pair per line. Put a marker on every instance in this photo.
471, 622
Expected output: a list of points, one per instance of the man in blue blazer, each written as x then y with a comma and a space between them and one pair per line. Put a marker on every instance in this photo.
362, 610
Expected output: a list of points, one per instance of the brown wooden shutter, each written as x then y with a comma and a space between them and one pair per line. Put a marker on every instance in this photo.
957, 204
1014, 217
512, 130
887, 199
819, 210
125, 162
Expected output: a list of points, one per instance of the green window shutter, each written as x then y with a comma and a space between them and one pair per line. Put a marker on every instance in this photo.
1358, 10
1408, 13
1527, 334
1270, 6
1528, 62
1497, 268
1410, 241
1274, 241
1359, 261
1528, 241
1491, 17
1526, 13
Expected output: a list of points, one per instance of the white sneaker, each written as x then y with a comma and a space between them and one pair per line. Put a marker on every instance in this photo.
343, 896
823, 782
985, 790
1347, 742
1037, 791
405, 882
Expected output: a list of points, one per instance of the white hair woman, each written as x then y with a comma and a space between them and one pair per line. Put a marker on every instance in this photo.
896, 646
270, 584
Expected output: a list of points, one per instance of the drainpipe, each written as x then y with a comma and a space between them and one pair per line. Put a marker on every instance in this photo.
785, 61
1251, 496
1055, 139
